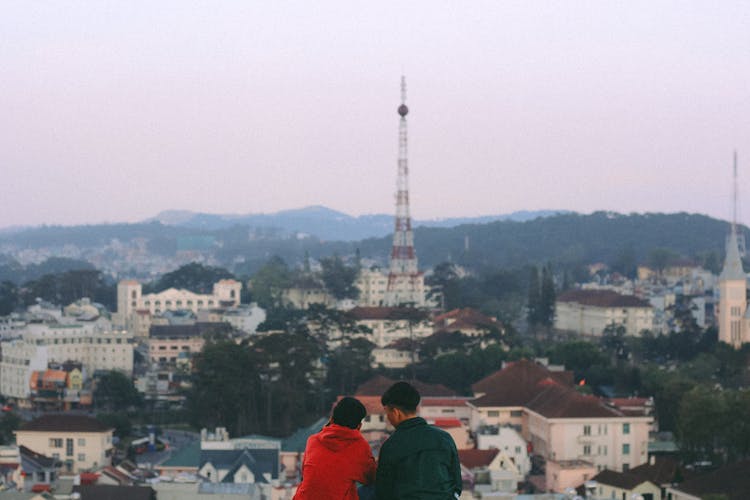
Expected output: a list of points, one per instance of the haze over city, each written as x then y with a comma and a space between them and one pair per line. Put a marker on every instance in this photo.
116, 111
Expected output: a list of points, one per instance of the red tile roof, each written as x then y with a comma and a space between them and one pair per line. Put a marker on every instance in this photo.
473, 459
377, 385
602, 298
556, 401
516, 384
65, 423
455, 401
447, 423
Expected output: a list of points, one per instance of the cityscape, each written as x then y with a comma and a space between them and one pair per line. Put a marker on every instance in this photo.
589, 339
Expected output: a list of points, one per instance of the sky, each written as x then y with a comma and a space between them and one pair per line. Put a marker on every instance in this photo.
115, 111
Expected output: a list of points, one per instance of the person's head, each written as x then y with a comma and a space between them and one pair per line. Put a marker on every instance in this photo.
400, 402
349, 412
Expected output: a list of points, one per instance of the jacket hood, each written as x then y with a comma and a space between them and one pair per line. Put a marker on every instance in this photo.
337, 437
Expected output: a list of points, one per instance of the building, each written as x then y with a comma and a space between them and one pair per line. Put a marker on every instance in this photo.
467, 321
389, 324
733, 313
488, 472
731, 482
166, 342
573, 432
589, 312
92, 344
130, 298
649, 480
250, 460
501, 397
372, 284
80, 443
510, 442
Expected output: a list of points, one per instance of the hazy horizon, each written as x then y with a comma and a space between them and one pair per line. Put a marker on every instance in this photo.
116, 112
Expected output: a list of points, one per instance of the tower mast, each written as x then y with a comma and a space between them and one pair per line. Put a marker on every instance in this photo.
403, 275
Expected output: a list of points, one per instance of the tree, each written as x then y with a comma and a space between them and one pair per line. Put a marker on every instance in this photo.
339, 278
225, 388
269, 283
9, 422
194, 277
8, 297
532, 303
120, 422
546, 311
115, 392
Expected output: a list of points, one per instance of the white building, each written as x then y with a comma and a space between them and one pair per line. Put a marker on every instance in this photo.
510, 442
589, 312
94, 344
389, 324
130, 298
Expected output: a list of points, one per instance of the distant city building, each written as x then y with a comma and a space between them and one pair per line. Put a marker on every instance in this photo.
389, 324
589, 312
81, 443
94, 344
130, 298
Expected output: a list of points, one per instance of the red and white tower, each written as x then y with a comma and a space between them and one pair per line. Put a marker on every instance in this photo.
405, 282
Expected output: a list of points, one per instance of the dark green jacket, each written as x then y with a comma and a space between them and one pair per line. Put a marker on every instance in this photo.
418, 462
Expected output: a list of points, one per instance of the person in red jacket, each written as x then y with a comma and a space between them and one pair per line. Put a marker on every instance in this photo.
337, 457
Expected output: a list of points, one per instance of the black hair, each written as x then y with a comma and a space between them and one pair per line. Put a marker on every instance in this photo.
401, 395
349, 412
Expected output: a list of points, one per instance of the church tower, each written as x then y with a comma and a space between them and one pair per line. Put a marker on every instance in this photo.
405, 282
733, 312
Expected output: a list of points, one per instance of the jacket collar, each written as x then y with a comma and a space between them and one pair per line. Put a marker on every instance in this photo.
412, 422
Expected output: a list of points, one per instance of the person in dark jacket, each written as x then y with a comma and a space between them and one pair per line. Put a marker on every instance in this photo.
337, 457
418, 461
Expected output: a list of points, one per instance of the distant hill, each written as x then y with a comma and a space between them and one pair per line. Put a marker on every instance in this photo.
563, 238
325, 223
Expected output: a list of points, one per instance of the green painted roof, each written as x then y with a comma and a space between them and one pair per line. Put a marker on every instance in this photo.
188, 456
298, 440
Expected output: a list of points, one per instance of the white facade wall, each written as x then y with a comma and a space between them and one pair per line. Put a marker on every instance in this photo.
94, 345
386, 331
131, 299
618, 443
511, 443
592, 320
372, 285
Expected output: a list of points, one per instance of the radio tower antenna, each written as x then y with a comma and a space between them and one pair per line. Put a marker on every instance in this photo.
403, 275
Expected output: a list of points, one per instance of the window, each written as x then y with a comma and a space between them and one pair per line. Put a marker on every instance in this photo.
587, 449
55, 442
81, 441
625, 467
626, 449
493, 413
516, 413
586, 430
518, 450
626, 428
69, 447
81, 457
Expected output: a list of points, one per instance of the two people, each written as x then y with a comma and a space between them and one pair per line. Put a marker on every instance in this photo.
418, 461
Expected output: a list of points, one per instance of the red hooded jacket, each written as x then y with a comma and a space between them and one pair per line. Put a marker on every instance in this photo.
336, 458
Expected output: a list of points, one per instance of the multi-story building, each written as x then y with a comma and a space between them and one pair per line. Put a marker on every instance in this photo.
391, 323
130, 298
372, 284
166, 342
81, 443
94, 344
589, 312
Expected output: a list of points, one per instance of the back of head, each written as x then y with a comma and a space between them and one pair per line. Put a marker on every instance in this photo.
401, 395
349, 412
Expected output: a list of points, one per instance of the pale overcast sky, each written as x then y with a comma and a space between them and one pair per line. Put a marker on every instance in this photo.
114, 111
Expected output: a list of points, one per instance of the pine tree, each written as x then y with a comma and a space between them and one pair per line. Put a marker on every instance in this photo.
546, 312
